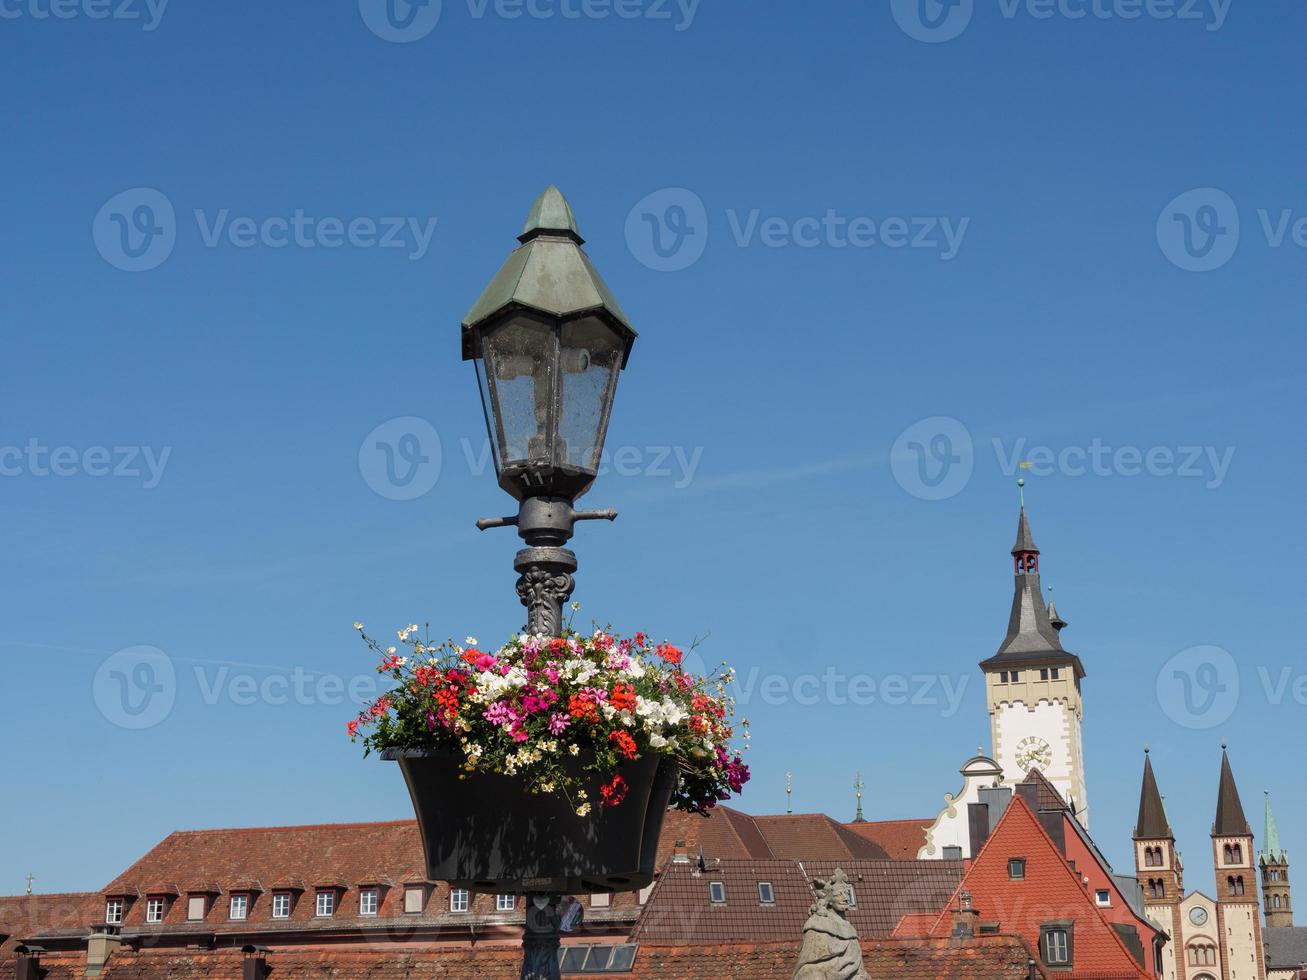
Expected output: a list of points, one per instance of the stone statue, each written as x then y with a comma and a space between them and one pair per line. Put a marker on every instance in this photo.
830, 943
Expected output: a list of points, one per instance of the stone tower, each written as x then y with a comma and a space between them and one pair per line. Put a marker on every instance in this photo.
1238, 913
1160, 871
1033, 687
1273, 863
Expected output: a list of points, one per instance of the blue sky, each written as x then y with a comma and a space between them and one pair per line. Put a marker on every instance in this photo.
886, 270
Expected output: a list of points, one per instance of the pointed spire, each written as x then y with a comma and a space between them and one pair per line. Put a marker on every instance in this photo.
1230, 820
1025, 540
1152, 823
1054, 617
1272, 851
550, 215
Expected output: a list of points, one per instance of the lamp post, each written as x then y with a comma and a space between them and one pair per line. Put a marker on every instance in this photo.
548, 341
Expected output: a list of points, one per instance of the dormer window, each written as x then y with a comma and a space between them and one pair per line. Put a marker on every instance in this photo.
197, 906
369, 901
325, 905
281, 903
239, 908
154, 909
458, 900
1016, 869
414, 899
113, 912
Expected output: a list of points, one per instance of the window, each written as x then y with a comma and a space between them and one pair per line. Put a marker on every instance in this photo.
281, 905
604, 958
1276, 901
458, 900
601, 900
853, 897
1016, 869
1103, 897
765, 893
1002, 676
505, 903
1016, 676
240, 907
326, 904
717, 892
154, 910
113, 912
196, 907
1238, 854
368, 901
413, 900
1043, 673
1055, 944
1057, 673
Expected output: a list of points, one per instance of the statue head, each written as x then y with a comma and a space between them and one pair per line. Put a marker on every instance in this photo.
832, 894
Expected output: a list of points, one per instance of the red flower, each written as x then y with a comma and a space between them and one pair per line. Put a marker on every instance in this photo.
615, 792
623, 697
582, 708
624, 743
639, 639
670, 654
352, 727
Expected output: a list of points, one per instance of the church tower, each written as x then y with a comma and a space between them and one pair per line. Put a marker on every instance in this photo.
1033, 688
1237, 912
1273, 863
1160, 871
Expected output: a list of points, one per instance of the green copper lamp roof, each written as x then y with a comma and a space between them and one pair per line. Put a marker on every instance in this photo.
548, 272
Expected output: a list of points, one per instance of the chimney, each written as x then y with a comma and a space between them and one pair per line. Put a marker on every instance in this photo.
680, 855
102, 944
966, 919
28, 962
984, 816
256, 963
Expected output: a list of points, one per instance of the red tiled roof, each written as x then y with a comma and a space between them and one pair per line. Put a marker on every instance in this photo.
1046, 796
681, 909
24, 916
1050, 890
901, 840
815, 836
915, 924
980, 958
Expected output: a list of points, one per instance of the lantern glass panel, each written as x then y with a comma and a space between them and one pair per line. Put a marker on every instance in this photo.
519, 362
590, 355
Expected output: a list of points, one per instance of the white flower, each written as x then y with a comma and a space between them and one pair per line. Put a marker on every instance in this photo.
470, 641
358, 626
656, 741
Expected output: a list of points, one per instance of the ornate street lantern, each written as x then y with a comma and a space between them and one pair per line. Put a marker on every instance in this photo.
548, 341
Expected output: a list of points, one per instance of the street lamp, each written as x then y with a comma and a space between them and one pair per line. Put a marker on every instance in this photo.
548, 341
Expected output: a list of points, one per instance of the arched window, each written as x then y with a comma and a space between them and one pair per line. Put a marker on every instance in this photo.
1276, 901
1228, 854
1238, 885
1238, 854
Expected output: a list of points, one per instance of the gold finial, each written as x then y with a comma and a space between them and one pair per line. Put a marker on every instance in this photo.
858, 787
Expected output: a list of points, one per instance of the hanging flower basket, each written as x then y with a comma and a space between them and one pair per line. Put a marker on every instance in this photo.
548, 765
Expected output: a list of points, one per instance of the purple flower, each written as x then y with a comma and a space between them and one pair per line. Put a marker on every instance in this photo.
558, 723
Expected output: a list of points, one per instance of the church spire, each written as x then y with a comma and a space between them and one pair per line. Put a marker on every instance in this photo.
1230, 820
1271, 849
1152, 823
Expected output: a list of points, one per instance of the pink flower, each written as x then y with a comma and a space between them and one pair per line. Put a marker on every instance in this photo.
558, 723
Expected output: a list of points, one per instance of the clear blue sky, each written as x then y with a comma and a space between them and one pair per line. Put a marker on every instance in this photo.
783, 362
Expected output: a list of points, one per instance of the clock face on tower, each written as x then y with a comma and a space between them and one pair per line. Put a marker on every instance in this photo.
1198, 916
1034, 753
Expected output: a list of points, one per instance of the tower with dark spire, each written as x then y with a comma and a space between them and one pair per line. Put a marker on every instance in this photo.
1158, 865
1033, 686
1237, 908
1273, 863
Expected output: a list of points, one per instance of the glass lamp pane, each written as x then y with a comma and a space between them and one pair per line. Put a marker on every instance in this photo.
589, 357
519, 360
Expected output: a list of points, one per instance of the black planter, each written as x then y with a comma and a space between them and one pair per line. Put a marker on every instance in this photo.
486, 833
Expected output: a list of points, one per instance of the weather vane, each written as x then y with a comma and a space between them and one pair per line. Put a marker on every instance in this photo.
858, 787
789, 789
